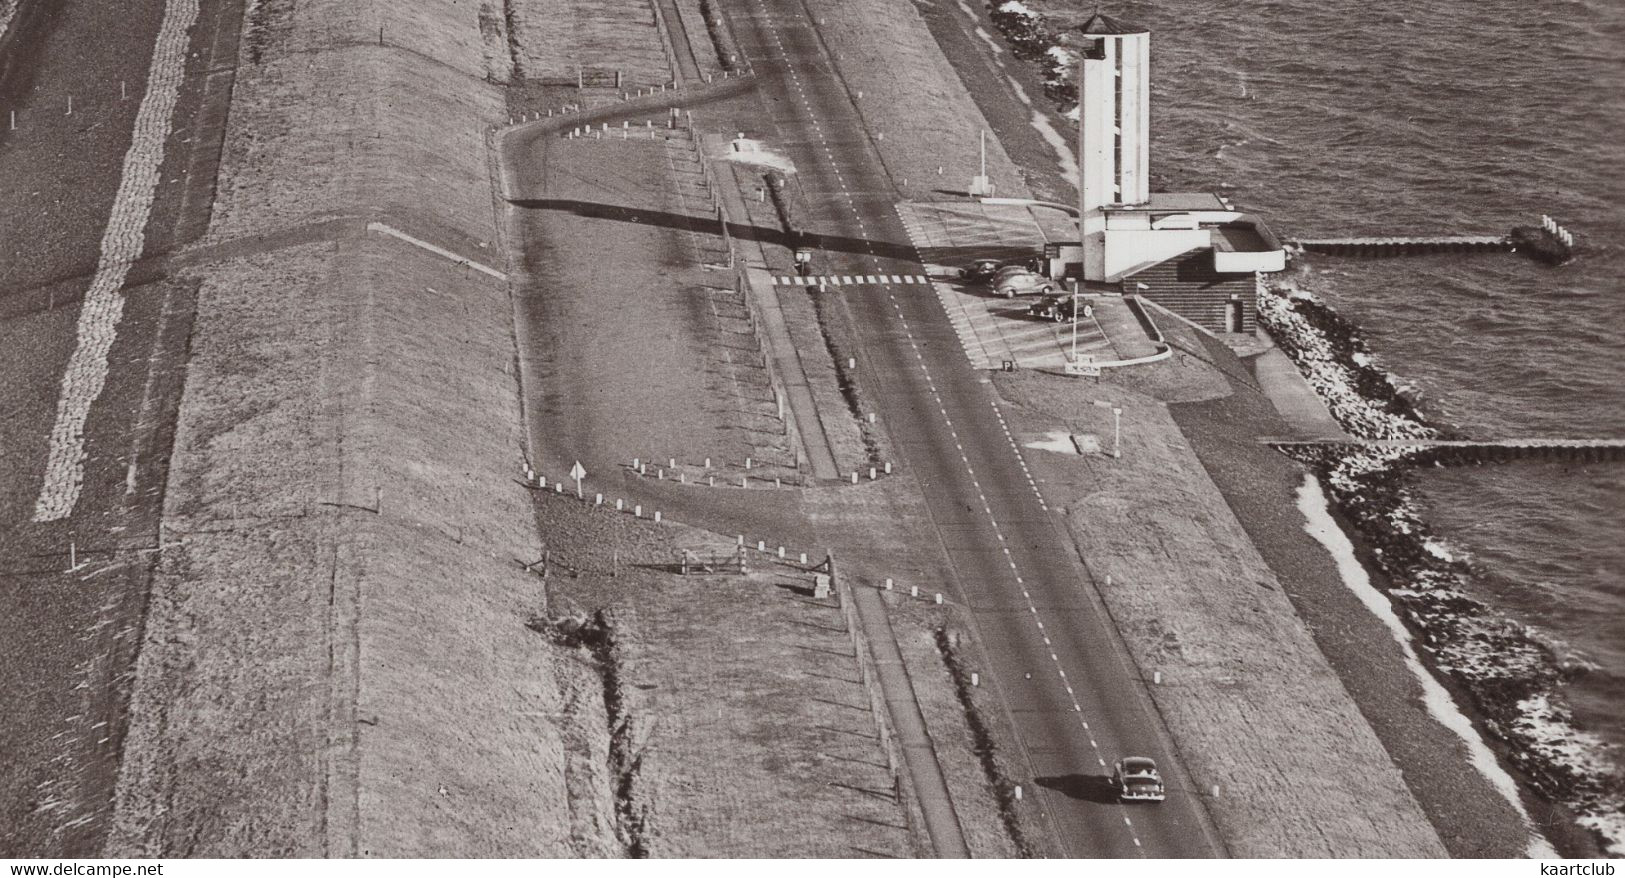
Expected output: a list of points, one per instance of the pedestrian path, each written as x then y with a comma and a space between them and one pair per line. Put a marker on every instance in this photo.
844, 280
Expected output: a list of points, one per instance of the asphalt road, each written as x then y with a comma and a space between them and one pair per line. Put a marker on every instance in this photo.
68, 637
1077, 702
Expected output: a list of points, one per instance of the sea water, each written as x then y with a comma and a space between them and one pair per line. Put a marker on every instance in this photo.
1447, 117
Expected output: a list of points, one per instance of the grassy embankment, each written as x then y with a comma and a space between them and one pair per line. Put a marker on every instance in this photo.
336, 660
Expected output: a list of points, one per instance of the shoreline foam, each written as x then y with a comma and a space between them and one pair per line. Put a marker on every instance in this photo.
1319, 523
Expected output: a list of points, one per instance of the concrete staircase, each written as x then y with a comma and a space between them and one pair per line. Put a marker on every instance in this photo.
1188, 286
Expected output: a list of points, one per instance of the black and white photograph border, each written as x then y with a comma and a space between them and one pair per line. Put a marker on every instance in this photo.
742, 430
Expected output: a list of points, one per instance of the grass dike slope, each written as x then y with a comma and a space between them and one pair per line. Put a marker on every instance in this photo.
335, 659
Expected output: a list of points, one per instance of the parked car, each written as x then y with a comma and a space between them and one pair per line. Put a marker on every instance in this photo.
981, 269
1062, 308
1137, 780
1016, 280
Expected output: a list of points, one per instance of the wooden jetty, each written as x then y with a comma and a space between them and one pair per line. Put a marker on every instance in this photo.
1456, 452
1549, 243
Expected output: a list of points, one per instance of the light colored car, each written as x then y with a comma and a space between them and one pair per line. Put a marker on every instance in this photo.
1014, 280
1137, 780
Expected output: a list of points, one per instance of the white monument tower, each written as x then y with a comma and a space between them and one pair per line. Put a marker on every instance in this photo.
1114, 127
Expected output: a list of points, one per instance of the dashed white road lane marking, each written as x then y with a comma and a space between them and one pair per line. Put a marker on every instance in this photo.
961, 328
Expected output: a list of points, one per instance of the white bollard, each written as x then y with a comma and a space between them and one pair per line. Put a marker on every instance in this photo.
618, 504
851, 362
657, 516
635, 463
671, 462
871, 474
803, 557
888, 583
1215, 791
740, 540
637, 511
1018, 792
913, 591
778, 483
871, 417
939, 597
1156, 677
682, 478
761, 545
558, 487
781, 551
711, 481
854, 478
660, 474
598, 499
888, 467
975, 679
747, 463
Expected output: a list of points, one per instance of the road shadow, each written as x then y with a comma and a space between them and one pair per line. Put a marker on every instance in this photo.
1084, 787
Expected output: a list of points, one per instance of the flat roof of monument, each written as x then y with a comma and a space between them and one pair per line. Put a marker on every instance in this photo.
1172, 201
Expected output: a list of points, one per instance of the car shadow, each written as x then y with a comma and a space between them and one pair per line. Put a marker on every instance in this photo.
1085, 787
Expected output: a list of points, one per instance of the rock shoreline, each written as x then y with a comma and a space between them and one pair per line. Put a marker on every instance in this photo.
1512, 676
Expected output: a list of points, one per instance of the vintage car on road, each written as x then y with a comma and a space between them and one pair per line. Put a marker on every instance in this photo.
1137, 780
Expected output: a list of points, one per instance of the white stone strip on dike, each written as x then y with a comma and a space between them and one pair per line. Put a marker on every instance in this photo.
122, 244
439, 251
8, 8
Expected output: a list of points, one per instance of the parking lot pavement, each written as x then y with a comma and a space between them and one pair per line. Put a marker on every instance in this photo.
996, 331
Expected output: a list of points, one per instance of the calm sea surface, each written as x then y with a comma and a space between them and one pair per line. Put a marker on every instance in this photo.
1430, 116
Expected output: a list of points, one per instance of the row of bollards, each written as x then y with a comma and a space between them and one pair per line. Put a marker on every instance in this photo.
539, 481
123, 95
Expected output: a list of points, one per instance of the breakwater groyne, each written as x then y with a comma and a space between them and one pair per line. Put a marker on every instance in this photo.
1460, 452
